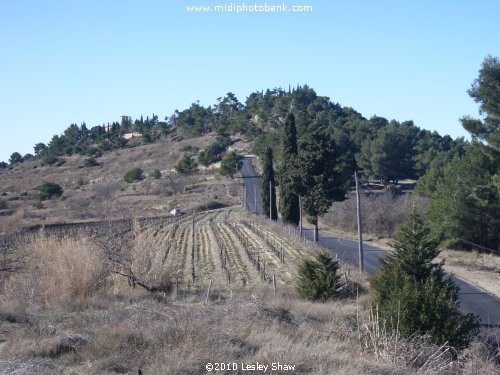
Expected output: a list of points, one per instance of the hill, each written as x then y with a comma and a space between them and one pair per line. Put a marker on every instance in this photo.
100, 192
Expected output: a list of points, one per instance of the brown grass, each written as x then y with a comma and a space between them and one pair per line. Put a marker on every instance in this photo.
68, 314
382, 214
59, 271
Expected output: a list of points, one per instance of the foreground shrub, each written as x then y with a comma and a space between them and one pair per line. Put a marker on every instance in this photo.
318, 278
414, 296
59, 271
133, 175
50, 190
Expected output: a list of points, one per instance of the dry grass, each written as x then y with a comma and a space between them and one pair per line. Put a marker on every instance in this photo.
59, 271
120, 334
382, 214
68, 314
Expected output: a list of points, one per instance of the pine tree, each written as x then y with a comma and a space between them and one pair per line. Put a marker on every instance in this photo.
289, 200
269, 196
412, 290
318, 278
230, 165
486, 91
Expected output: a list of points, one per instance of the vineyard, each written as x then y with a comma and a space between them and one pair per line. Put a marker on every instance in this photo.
219, 247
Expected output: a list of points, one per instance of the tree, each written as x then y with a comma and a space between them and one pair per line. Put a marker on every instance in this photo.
15, 157
323, 175
214, 152
289, 199
133, 175
486, 91
186, 165
269, 192
465, 202
318, 278
28, 157
413, 295
230, 164
50, 190
389, 156
49, 159
39, 149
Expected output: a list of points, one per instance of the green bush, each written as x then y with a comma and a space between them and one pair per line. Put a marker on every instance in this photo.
413, 295
214, 152
318, 277
50, 190
91, 162
186, 165
230, 164
38, 205
133, 175
156, 174
190, 149
49, 159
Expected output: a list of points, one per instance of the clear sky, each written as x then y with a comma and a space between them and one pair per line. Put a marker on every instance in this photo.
64, 62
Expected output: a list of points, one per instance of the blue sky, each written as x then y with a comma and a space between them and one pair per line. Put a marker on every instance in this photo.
71, 61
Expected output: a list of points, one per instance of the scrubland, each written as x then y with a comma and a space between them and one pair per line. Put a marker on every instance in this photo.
82, 306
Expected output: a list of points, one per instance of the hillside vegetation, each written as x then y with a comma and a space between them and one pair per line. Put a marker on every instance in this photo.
100, 192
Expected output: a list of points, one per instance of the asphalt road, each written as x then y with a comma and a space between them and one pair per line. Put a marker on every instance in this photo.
252, 186
472, 298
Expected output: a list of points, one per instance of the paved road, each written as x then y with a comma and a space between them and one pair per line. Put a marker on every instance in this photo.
252, 186
472, 298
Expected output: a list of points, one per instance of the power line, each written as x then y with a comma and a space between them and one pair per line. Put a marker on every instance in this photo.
481, 247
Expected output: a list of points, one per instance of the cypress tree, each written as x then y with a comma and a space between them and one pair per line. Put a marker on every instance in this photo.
324, 175
412, 290
289, 200
269, 198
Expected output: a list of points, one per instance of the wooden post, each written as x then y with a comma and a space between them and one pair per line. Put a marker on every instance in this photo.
360, 230
274, 283
208, 290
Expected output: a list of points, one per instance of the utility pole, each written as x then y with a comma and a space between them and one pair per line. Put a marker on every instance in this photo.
300, 216
360, 230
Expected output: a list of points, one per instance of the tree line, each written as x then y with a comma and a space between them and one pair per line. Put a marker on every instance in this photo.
386, 150
460, 178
